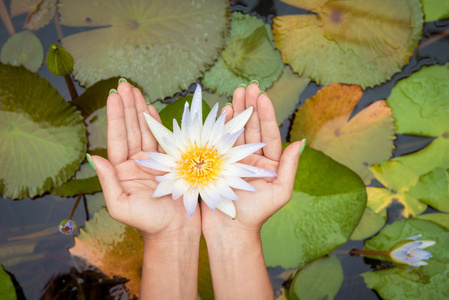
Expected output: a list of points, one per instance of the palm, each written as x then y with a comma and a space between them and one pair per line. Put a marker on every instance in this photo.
128, 139
254, 208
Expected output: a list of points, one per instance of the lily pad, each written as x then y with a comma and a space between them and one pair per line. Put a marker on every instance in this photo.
175, 109
212, 98
43, 137
327, 203
404, 282
25, 49
114, 248
359, 142
339, 43
284, 93
7, 289
161, 45
435, 10
397, 179
205, 289
441, 219
420, 106
85, 181
370, 223
92, 104
40, 12
319, 280
249, 54
433, 189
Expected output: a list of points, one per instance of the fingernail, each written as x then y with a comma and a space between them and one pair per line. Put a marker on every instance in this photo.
89, 160
112, 91
254, 81
242, 85
228, 103
262, 93
303, 146
122, 80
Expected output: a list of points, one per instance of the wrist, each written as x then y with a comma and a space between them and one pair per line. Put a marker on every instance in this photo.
185, 235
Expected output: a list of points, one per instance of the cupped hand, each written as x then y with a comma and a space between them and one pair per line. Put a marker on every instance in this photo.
128, 186
254, 208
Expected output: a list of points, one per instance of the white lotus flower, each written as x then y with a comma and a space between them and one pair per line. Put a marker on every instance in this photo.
200, 159
411, 251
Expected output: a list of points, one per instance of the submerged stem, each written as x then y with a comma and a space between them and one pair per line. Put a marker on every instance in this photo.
367, 252
75, 206
6, 18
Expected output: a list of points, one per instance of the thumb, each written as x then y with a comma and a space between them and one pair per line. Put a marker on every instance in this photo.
287, 169
110, 183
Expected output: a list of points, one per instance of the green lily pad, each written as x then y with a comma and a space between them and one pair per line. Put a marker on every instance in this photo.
59, 61
433, 189
397, 179
441, 219
114, 248
85, 181
319, 280
339, 43
359, 142
25, 49
161, 45
7, 289
327, 203
95, 202
404, 282
212, 98
40, 12
175, 109
420, 106
249, 54
370, 223
205, 289
435, 10
92, 104
284, 93
43, 137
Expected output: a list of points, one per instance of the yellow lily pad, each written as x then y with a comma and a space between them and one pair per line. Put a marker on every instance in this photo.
161, 45
397, 179
358, 42
359, 142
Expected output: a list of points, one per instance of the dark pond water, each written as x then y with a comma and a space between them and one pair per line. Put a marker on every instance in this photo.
37, 255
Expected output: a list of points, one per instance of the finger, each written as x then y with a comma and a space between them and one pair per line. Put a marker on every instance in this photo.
238, 100
287, 172
110, 183
155, 115
229, 112
149, 143
269, 128
253, 130
116, 136
132, 124
238, 105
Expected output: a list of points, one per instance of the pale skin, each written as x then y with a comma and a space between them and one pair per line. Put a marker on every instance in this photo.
170, 264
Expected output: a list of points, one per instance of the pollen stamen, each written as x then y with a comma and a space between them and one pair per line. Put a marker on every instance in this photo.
200, 166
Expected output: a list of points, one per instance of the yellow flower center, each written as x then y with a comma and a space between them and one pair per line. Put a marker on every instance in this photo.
200, 166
